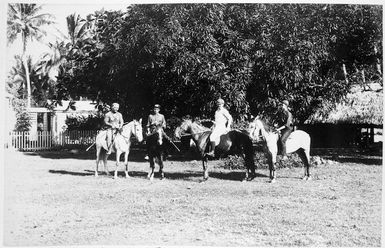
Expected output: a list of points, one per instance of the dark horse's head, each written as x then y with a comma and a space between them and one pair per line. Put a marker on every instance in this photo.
189, 127
156, 137
184, 128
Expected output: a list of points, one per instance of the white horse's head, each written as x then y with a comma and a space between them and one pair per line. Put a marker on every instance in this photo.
135, 128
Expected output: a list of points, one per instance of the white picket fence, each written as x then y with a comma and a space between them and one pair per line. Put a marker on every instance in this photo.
46, 140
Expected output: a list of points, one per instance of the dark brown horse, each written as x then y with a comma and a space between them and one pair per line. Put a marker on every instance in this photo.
233, 142
155, 150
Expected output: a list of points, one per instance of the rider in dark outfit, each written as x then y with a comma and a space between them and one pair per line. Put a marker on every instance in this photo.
286, 126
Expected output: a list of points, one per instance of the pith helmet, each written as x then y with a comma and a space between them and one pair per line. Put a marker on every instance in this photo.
220, 101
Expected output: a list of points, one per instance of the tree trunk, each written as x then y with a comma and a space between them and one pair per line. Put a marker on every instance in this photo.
28, 82
345, 73
378, 64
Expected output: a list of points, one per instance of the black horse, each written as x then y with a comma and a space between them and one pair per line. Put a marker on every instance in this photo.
233, 142
156, 148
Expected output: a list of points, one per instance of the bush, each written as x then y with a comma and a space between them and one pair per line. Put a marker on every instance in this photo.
86, 121
23, 119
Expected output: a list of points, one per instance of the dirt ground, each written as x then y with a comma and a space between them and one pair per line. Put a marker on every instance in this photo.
52, 198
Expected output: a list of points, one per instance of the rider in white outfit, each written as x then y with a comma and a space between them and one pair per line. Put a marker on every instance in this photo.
223, 121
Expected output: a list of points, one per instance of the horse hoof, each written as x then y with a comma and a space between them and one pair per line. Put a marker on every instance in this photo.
251, 178
272, 180
309, 178
96, 175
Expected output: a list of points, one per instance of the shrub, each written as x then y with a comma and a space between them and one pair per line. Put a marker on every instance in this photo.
85, 121
23, 119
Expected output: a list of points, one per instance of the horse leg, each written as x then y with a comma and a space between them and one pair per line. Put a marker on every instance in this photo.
126, 162
118, 153
305, 160
150, 174
250, 167
205, 168
105, 157
161, 167
272, 160
98, 149
307, 154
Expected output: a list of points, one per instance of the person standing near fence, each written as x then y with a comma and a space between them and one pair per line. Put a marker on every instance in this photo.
113, 120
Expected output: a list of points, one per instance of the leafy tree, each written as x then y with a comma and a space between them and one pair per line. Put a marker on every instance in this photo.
185, 56
41, 85
26, 21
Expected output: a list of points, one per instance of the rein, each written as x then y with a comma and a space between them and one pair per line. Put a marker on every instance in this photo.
190, 134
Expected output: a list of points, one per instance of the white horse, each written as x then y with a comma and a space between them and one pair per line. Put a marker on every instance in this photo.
121, 144
298, 141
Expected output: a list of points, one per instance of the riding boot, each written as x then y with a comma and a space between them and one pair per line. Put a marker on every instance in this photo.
211, 149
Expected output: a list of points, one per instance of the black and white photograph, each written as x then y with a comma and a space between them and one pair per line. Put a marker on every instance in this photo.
192, 124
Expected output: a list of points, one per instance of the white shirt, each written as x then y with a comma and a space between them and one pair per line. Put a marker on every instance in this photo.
222, 116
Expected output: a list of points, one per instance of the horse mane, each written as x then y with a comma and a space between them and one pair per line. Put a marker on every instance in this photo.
200, 127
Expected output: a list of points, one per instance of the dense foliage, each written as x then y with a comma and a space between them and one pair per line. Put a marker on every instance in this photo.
185, 56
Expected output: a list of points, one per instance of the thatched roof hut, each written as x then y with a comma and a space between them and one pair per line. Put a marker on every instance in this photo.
358, 107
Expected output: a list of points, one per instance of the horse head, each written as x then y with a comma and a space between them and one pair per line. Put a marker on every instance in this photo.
134, 127
138, 130
184, 128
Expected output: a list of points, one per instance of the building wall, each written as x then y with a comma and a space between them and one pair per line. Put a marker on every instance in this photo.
335, 135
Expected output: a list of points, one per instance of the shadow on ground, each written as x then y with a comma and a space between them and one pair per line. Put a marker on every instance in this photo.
185, 175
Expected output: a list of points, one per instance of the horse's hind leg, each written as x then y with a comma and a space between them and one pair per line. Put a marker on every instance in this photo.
305, 157
98, 149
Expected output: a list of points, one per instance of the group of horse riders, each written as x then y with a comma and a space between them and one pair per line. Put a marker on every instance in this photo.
223, 120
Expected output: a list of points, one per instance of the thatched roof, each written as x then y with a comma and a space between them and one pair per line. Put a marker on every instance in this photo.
358, 107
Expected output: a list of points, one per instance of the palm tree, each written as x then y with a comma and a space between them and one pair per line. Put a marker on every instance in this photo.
41, 84
77, 33
24, 20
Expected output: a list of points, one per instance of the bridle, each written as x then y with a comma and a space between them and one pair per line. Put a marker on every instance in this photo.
133, 132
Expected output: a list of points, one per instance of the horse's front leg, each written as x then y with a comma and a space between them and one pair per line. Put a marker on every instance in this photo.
105, 157
272, 160
150, 174
161, 166
205, 168
118, 153
126, 162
